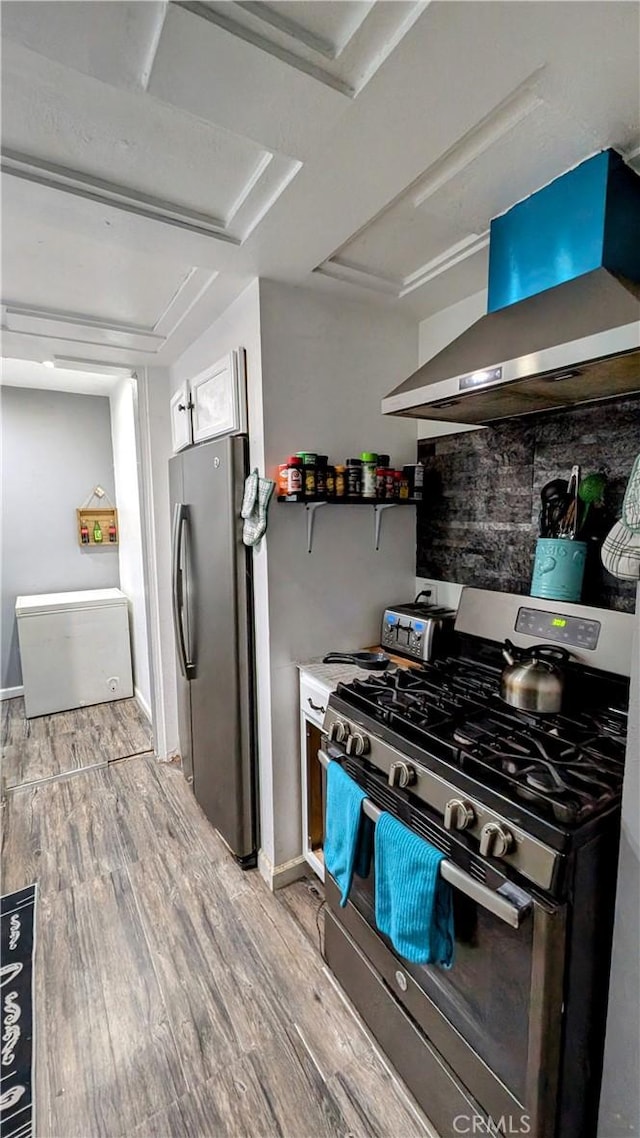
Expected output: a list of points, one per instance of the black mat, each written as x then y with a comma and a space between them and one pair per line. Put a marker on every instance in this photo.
17, 926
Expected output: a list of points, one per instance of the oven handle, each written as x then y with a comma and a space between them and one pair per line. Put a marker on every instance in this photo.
506, 910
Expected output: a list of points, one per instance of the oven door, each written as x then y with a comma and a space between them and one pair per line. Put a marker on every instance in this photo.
495, 1017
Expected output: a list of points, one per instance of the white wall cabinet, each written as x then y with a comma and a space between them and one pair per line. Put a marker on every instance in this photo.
219, 400
181, 418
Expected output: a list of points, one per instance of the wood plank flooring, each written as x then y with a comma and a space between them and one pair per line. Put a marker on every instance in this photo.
175, 996
51, 745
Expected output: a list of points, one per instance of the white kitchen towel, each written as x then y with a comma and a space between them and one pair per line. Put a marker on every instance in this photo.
255, 504
621, 553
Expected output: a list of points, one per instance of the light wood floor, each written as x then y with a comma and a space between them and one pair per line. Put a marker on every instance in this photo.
51, 745
175, 996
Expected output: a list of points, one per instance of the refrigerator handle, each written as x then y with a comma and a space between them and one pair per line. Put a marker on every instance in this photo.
180, 520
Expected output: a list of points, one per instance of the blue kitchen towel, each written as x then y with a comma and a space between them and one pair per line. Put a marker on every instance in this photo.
414, 905
347, 842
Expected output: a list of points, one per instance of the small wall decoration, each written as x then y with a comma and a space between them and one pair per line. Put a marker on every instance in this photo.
97, 525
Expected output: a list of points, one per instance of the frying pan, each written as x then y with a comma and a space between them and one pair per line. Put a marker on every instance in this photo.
371, 661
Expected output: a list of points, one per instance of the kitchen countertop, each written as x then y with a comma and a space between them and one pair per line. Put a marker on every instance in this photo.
330, 675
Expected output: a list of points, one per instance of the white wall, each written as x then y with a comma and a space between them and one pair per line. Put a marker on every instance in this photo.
125, 470
55, 448
436, 333
155, 451
326, 364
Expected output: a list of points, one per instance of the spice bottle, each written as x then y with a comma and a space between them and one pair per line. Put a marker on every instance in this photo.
308, 472
294, 478
354, 476
341, 483
331, 482
283, 479
402, 483
321, 475
389, 484
369, 461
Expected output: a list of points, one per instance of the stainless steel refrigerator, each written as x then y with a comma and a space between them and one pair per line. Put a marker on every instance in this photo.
211, 587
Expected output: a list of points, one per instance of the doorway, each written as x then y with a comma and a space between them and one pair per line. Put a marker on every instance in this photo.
67, 435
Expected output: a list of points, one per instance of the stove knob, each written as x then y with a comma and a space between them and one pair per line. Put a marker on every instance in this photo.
401, 774
357, 744
495, 840
458, 815
339, 731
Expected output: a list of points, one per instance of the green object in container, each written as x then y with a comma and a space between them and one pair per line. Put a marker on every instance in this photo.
97, 532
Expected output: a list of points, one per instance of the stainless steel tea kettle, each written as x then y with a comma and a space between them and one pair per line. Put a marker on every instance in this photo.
532, 681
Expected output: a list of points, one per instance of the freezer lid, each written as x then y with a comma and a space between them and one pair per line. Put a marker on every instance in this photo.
68, 602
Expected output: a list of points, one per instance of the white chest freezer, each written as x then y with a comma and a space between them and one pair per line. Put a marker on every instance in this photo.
74, 649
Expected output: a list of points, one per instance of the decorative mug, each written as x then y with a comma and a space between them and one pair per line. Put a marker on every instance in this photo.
558, 568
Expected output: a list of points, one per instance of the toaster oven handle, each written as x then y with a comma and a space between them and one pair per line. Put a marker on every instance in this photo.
511, 909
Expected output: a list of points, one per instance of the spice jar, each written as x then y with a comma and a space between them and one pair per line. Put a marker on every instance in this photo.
321, 475
414, 472
294, 478
308, 473
283, 479
331, 482
341, 482
354, 477
368, 486
402, 486
389, 484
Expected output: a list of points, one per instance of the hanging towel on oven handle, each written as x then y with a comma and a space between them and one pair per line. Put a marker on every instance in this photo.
413, 903
349, 834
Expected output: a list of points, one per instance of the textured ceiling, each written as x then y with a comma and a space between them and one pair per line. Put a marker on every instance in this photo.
157, 156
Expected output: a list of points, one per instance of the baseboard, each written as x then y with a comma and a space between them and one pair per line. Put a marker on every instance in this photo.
277, 876
11, 693
144, 706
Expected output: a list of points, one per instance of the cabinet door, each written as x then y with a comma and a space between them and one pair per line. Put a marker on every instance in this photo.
181, 419
219, 400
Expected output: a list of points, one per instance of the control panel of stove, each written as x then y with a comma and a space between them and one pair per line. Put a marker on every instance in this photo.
559, 627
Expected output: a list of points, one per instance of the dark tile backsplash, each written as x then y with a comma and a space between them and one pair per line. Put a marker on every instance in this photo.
479, 522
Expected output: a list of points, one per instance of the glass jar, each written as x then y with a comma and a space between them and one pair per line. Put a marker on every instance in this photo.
368, 484
354, 477
341, 483
331, 482
321, 475
308, 472
294, 478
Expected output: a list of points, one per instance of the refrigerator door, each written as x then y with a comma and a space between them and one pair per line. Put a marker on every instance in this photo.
218, 634
176, 491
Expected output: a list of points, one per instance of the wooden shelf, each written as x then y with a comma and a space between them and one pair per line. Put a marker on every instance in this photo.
104, 516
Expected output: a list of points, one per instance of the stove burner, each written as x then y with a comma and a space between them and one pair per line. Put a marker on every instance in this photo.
567, 767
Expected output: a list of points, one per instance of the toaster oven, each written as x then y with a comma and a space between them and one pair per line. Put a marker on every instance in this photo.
417, 631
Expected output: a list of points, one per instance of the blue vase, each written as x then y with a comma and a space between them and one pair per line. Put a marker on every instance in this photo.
558, 568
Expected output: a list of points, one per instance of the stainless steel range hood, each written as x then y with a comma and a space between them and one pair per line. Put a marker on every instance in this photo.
572, 343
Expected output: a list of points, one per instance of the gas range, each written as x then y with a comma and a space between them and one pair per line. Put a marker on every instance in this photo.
524, 788
525, 808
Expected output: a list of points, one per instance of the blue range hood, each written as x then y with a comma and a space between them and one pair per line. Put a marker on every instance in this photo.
563, 321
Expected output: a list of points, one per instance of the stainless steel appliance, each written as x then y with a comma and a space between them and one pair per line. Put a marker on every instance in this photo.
211, 586
526, 809
563, 320
418, 631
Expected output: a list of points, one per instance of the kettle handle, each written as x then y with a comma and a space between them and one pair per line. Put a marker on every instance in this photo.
509, 652
539, 651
